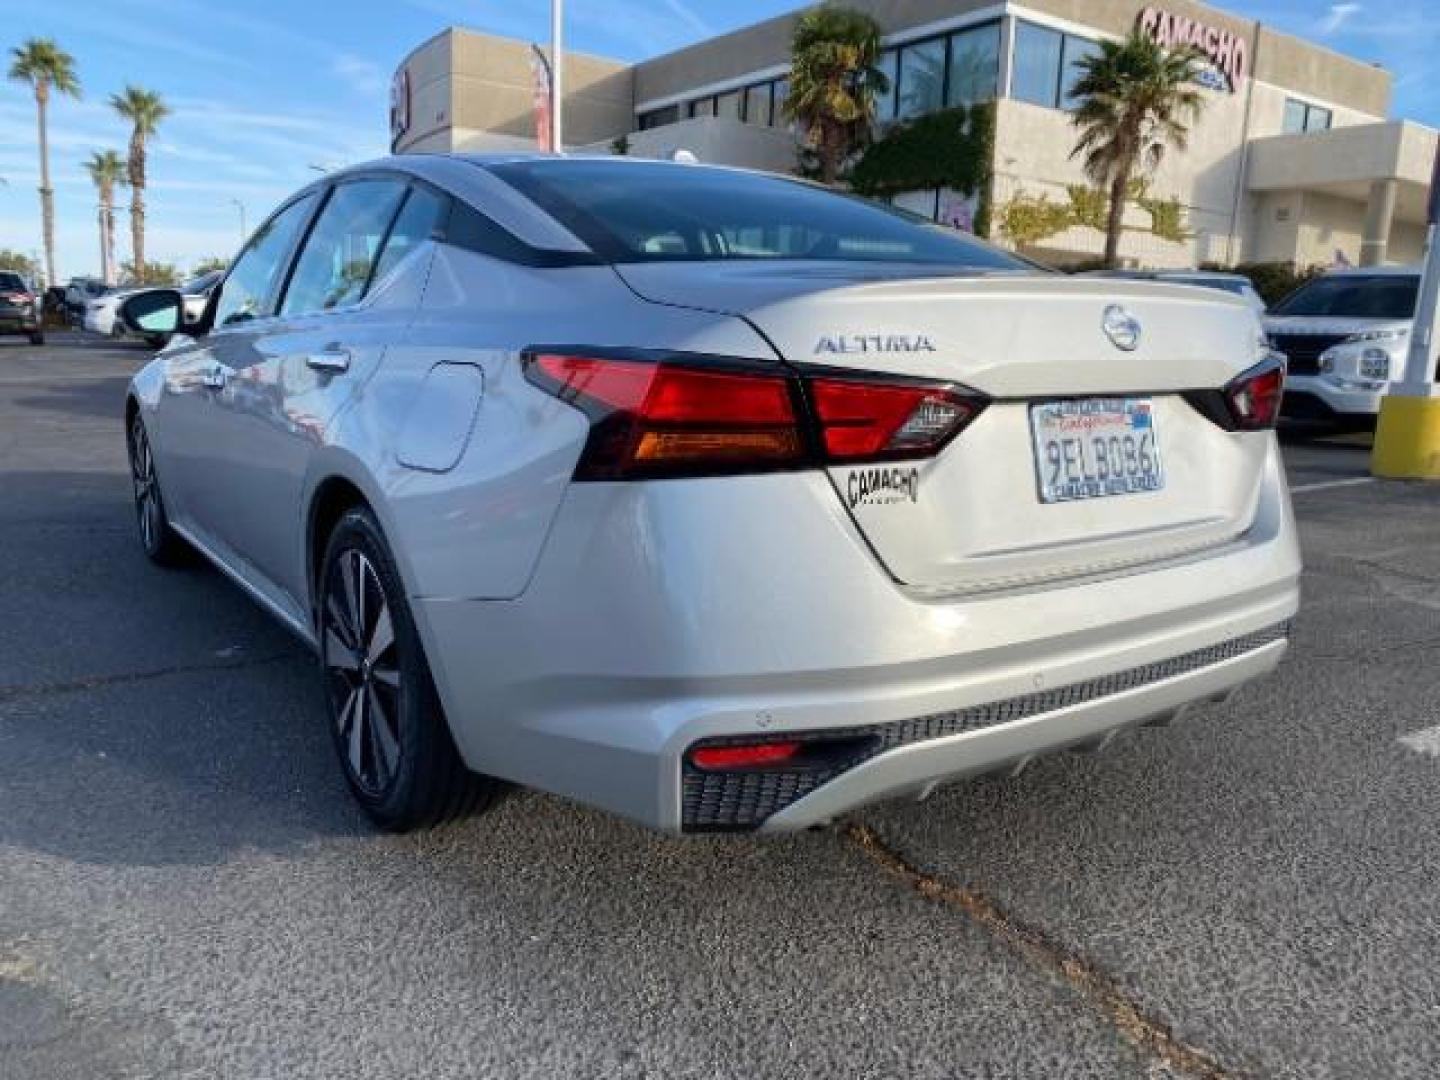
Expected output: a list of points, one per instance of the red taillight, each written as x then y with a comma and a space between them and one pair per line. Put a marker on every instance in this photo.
716, 758
666, 418
671, 416
864, 420
1254, 397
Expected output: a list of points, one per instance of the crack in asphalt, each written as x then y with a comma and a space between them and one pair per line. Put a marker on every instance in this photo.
99, 682
1101, 991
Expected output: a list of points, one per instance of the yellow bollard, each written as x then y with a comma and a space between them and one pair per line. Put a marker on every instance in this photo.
1407, 440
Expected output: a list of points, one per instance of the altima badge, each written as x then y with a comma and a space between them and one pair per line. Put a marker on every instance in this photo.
1122, 328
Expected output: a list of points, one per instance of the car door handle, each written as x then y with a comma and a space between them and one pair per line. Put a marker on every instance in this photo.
334, 361
215, 378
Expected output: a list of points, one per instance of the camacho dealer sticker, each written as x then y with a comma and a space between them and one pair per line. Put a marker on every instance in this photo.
883, 486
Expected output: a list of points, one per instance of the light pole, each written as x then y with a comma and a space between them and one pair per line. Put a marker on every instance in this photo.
557, 76
244, 233
1407, 438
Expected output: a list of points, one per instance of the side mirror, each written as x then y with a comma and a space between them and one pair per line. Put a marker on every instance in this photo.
155, 311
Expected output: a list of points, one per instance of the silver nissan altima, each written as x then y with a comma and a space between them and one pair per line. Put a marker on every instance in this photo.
713, 499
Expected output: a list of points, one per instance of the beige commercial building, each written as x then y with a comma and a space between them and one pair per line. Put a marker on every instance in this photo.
1294, 159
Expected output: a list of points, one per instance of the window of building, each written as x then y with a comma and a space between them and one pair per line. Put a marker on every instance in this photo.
1038, 52
727, 106
659, 117
782, 94
974, 65
1076, 49
1302, 116
922, 78
1046, 65
703, 107
757, 104
889, 63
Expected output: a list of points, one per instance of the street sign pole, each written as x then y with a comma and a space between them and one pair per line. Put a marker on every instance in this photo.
1407, 440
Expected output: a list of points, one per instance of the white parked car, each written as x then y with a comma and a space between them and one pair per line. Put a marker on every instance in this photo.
714, 499
101, 312
1346, 336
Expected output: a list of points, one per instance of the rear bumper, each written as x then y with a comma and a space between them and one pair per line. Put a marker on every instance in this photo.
658, 619
916, 768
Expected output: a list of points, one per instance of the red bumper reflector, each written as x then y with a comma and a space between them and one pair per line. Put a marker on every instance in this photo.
714, 758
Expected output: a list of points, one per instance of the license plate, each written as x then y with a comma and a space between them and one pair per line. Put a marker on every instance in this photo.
1096, 447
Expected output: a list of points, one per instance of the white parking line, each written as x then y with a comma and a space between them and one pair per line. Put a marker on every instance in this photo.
1425, 742
1326, 485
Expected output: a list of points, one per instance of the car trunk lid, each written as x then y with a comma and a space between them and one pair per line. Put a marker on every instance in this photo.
974, 517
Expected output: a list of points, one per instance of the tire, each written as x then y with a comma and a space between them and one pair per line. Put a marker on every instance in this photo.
37, 338
162, 545
388, 726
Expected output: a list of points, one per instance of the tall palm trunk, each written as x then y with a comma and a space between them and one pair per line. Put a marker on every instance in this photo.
1119, 189
47, 193
107, 235
137, 206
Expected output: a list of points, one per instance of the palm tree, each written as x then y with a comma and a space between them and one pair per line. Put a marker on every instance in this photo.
834, 78
1133, 99
144, 109
106, 169
45, 66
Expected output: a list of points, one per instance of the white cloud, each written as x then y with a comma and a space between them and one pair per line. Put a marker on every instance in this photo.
365, 77
1338, 16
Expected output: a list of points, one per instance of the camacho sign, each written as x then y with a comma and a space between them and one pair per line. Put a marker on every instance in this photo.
1226, 51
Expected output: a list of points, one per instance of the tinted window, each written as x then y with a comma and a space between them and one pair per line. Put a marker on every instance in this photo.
335, 266
9, 282
757, 105
1076, 49
889, 63
421, 217
659, 117
1302, 117
1294, 116
641, 212
1353, 296
782, 92
922, 78
974, 65
247, 291
1036, 77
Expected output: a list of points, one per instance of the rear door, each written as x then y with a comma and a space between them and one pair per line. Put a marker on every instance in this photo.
332, 325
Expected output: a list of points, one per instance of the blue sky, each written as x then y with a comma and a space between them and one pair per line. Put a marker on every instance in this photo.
263, 89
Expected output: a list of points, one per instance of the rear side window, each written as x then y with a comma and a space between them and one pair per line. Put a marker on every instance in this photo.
249, 287
11, 282
421, 218
654, 212
339, 257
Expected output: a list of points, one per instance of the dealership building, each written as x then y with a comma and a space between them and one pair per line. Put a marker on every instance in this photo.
1294, 159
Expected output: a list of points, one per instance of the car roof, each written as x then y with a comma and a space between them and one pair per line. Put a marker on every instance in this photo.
1374, 271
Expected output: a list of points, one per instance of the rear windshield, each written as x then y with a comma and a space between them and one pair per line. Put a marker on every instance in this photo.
11, 282
630, 212
1353, 296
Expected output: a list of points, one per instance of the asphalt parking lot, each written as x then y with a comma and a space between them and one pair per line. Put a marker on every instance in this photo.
186, 890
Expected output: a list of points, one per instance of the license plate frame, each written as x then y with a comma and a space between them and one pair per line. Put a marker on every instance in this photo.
1076, 443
